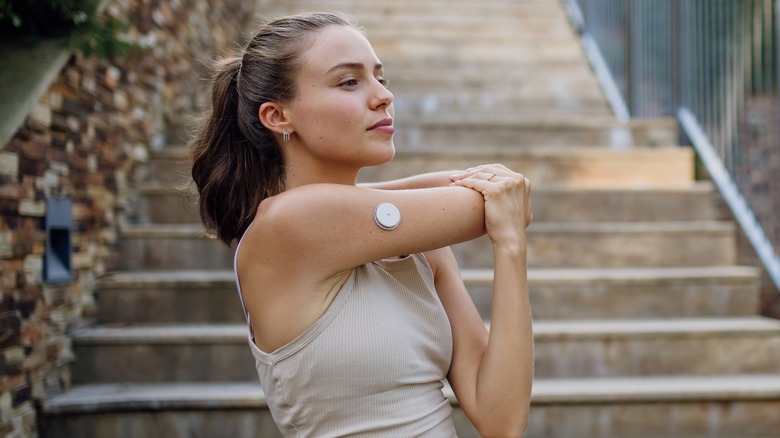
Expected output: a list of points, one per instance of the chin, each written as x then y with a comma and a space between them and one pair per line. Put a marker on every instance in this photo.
390, 153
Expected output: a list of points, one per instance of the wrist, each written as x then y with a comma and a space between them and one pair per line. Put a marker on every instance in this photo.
512, 247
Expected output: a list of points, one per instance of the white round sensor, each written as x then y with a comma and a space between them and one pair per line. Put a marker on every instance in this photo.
387, 216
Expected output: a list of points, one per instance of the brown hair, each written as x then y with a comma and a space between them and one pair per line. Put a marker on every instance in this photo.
236, 161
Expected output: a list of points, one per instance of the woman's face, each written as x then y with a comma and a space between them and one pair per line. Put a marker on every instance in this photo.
342, 112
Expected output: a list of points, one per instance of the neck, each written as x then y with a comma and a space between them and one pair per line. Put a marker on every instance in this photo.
300, 175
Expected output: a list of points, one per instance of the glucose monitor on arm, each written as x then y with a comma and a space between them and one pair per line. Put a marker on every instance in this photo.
387, 216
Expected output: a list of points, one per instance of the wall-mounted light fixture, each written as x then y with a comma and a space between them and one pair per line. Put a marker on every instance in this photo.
59, 247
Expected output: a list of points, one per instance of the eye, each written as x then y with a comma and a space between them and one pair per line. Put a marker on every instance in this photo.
349, 83
384, 82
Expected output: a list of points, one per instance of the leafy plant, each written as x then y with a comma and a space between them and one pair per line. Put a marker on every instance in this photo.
22, 20
7, 14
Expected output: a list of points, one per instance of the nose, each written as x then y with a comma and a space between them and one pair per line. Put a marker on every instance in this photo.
382, 96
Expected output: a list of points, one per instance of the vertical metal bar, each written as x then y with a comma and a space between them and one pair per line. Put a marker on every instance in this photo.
721, 75
766, 38
705, 80
709, 45
706, 58
720, 79
775, 181
693, 59
678, 47
629, 56
637, 55
742, 36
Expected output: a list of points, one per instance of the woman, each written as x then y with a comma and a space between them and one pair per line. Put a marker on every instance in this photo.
355, 304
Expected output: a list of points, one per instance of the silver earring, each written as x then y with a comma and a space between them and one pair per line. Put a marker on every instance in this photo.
286, 136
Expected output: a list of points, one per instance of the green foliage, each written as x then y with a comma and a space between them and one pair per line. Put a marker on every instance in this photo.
99, 38
7, 14
24, 20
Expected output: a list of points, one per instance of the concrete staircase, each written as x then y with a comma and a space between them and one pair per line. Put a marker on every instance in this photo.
644, 324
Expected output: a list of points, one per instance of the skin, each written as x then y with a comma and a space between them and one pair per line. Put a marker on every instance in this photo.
294, 257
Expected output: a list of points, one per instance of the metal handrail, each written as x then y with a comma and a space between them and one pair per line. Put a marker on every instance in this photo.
714, 65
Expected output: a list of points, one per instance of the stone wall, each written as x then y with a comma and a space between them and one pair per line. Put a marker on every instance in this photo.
87, 138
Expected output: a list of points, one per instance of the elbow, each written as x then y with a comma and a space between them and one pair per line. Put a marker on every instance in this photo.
512, 427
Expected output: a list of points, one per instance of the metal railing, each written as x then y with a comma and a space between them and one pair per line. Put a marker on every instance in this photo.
714, 65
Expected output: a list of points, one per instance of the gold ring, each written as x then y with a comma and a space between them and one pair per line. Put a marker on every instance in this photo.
491, 177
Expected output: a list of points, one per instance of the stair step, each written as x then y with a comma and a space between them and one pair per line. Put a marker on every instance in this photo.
473, 23
168, 297
557, 106
583, 348
224, 409
685, 406
167, 204
615, 244
456, 134
704, 346
524, 88
478, 51
403, 8
552, 105
174, 353
620, 293
379, 36
641, 407
171, 166
546, 166
556, 166
211, 297
550, 245
577, 204
172, 247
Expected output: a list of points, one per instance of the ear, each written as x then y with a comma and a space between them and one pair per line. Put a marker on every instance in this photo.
272, 116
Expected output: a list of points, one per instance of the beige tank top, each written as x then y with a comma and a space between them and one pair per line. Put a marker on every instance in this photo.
372, 365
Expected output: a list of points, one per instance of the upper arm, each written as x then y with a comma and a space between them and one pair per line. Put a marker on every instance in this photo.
470, 338
333, 225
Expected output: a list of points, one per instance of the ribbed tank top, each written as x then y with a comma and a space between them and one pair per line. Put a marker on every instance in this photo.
372, 365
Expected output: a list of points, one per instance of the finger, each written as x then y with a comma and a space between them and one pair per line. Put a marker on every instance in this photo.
481, 171
494, 168
477, 184
484, 175
466, 173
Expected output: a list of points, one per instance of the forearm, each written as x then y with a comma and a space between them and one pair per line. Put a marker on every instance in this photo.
422, 181
505, 374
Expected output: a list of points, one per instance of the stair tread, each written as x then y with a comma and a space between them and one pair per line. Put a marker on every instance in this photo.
657, 327
654, 389
246, 395
543, 329
622, 275
510, 120
181, 152
188, 230
131, 279
162, 187
148, 278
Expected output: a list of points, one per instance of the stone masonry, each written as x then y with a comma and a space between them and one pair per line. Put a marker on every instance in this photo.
87, 138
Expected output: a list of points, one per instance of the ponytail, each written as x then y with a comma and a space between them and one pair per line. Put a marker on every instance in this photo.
236, 161
232, 173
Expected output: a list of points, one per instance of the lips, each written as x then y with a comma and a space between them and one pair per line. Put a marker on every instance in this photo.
386, 123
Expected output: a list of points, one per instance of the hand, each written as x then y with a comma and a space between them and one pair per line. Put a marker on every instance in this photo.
507, 200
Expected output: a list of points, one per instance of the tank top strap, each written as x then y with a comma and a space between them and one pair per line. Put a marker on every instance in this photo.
238, 283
